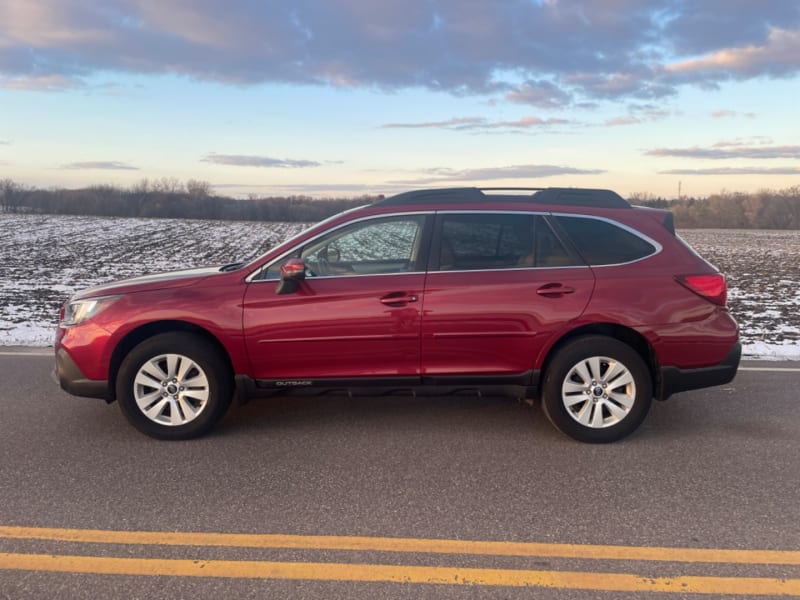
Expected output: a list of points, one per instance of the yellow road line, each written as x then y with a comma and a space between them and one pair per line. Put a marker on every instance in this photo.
416, 545
619, 582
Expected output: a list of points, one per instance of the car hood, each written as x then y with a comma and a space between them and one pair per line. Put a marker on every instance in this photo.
155, 281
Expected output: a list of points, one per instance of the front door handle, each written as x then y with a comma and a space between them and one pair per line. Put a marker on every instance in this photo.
554, 290
398, 299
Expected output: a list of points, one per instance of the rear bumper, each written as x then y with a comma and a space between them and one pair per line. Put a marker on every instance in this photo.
674, 379
73, 381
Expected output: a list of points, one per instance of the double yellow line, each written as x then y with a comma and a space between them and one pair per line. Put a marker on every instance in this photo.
324, 571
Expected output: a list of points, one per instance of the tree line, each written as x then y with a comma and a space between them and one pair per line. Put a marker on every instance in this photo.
170, 198
765, 209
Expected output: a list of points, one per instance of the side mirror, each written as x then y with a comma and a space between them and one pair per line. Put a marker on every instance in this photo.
293, 271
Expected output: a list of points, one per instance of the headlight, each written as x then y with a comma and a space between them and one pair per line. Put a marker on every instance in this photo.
77, 311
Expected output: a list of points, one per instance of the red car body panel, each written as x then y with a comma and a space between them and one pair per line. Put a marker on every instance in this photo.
212, 303
499, 322
335, 327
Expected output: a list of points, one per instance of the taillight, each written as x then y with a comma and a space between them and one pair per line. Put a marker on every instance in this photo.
711, 287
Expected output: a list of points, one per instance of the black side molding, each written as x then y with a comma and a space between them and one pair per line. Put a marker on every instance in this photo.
674, 380
73, 381
520, 385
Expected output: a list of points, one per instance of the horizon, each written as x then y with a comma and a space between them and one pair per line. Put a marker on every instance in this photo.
172, 185
349, 98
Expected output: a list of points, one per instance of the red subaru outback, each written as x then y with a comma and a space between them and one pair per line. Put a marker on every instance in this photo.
569, 295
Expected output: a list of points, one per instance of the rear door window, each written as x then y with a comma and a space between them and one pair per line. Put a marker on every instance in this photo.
480, 241
489, 241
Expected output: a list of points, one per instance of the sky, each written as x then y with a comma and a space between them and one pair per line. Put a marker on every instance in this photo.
351, 97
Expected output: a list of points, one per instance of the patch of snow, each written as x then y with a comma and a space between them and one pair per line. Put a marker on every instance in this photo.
26, 334
765, 351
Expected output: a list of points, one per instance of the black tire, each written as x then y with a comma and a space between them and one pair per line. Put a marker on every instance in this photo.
177, 411
597, 389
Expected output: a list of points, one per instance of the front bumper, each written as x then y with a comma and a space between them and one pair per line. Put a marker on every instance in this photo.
674, 379
73, 381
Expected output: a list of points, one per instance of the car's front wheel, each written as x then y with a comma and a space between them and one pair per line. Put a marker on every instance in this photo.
597, 389
174, 386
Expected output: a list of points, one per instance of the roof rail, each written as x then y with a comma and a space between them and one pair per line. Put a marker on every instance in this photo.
552, 195
581, 197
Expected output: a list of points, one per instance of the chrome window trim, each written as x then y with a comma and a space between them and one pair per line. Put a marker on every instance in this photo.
351, 276
251, 277
508, 269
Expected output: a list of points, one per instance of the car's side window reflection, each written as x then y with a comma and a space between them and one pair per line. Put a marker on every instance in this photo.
473, 241
488, 241
378, 246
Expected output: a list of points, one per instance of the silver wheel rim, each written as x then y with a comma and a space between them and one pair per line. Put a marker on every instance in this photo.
598, 392
171, 389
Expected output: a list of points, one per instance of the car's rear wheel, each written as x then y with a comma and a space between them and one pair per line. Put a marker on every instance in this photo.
597, 389
174, 386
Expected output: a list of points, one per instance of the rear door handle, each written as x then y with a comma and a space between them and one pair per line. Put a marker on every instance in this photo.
399, 299
554, 290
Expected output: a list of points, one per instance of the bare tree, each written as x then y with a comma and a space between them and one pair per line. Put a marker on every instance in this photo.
167, 185
10, 192
198, 188
141, 187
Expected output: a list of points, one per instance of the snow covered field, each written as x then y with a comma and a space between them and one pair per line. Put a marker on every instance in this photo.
44, 258
763, 272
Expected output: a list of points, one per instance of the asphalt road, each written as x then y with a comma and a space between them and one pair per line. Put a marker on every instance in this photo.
385, 480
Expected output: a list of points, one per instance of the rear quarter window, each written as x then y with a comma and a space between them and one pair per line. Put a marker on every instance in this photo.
602, 242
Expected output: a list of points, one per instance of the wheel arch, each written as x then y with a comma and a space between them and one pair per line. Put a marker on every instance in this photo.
624, 334
136, 336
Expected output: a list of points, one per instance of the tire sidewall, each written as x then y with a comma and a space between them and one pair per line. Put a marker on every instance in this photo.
583, 348
207, 358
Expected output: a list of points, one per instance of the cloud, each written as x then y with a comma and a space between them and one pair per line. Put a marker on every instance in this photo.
724, 114
542, 94
640, 82
718, 152
241, 160
41, 83
442, 175
454, 123
527, 122
754, 140
695, 28
637, 114
100, 164
778, 55
617, 121
5, 142
481, 124
547, 54
735, 171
